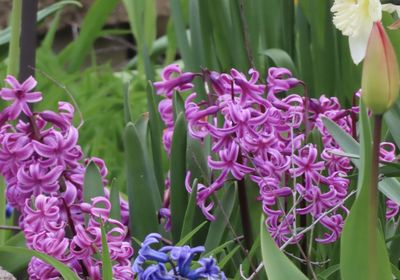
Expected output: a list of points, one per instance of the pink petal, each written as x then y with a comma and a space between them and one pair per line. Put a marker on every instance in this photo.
28, 84
12, 81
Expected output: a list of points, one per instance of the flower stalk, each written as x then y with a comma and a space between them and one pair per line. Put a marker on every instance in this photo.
14, 47
373, 209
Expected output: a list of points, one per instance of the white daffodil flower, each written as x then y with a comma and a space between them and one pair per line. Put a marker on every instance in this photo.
355, 18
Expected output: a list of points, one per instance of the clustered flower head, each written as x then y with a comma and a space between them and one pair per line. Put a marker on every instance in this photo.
260, 130
173, 262
44, 171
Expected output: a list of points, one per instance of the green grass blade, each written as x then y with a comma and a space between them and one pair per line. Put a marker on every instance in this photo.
214, 252
189, 236
64, 270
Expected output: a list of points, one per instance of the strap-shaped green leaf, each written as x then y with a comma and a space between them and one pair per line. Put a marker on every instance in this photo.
276, 264
179, 195
64, 270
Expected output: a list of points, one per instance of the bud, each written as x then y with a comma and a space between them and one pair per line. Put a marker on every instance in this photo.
380, 76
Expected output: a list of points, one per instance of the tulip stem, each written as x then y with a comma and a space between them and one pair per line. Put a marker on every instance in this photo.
373, 209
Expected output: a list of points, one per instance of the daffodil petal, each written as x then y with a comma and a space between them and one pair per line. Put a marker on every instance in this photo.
391, 8
358, 43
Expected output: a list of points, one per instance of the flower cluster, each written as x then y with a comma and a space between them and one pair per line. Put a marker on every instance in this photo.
260, 130
173, 262
44, 171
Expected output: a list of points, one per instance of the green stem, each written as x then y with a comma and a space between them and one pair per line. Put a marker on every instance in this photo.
373, 209
244, 210
14, 47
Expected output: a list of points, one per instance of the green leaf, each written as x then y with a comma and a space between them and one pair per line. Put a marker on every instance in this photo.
188, 236
253, 255
178, 105
115, 212
48, 40
214, 252
276, 264
105, 257
395, 271
5, 34
180, 32
329, 271
64, 270
93, 185
143, 194
91, 26
179, 196
188, 221
228, 257
127, 108
392, 119
142, 19
356, 259
7, 260
281, 59
223, 212
346, 142
155, 135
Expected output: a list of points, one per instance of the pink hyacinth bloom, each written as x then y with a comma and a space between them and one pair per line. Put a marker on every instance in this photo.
46, 214
228, 162
35, 179
305, 164
335, 225
21, 95
59, 149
